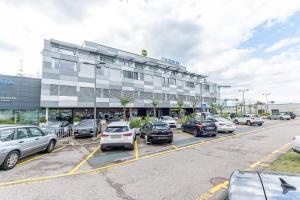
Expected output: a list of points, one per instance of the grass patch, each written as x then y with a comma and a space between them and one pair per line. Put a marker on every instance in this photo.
289, 163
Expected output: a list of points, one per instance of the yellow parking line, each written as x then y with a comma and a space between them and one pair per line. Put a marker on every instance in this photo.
224, 185
84, 160
136, 149
119, 164
174, 146
37, 157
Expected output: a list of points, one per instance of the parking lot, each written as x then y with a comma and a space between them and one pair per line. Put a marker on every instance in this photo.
84, 155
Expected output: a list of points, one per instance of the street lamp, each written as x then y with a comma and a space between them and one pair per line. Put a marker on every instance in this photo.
219, 90
200, 84
98, 65
266, 95
243, 91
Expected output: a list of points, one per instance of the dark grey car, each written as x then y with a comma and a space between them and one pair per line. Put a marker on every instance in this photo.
60, 128
20, 141
85, 128
262, 185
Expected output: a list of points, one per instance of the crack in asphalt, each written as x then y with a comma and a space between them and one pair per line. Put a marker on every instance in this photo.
118, 188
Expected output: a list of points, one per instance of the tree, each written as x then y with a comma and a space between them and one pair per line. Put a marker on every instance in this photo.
180, 105
194, 105
250, 108
220, 107
213, 108
154, 104
124, 102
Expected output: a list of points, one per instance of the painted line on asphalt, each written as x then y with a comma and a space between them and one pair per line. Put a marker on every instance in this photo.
136, 149
174, 146
207, 195
121, 163
38, 157
84, 160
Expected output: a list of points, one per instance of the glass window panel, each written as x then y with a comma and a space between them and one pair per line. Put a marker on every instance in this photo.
7, 135
68, 65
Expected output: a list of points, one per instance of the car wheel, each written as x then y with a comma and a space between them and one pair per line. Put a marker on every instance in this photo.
50, 146
103, 148
230, 131
259, 124
214, 135
236, 121
281, 118
195, 133
170, 140
11, 160
249, 123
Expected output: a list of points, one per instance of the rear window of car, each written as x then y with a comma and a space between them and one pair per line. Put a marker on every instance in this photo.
160, 126
7, 135
117, 129
86, 123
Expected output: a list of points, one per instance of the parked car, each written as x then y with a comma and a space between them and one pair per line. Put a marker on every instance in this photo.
60, 128
261, 185
296, 144
223, 125
118, 134
293, 115
281, 116
157, 131
200, 127
169, 120
20, 141
249, 119
85, 128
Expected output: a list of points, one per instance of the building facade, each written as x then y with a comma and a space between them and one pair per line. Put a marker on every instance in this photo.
68, 82
19, 99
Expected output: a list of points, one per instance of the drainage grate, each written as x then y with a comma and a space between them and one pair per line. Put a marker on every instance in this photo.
217, 181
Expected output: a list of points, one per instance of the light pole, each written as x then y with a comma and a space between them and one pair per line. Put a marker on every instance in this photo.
200, 85
243, 91
266, 95
97, 65
219, 91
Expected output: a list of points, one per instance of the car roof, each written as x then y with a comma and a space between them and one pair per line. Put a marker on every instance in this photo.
16, 126
118, 123
244, 184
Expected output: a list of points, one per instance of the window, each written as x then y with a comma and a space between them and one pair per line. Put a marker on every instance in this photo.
206, 87
127, 74
68, 90
55, 63
163, 81
190, 84
68, 65
22, 133
136, 76
7, 135
67, 51
36, 132
123, 62
53, 90
172, 81
138, 66
141, 76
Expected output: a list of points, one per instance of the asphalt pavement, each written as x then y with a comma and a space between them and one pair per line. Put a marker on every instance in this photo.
187, 169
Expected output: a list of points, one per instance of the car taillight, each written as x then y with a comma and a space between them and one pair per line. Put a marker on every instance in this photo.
104, 135
199, 125
127, 134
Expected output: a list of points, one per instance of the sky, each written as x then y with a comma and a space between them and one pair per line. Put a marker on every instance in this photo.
247, 44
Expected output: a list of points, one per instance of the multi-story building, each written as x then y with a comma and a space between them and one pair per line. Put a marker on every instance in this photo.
68, 82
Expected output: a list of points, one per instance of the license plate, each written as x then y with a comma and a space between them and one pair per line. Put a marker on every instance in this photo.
210, 128
162, 138
116, 136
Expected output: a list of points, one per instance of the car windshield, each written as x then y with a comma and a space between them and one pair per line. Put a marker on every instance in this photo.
117, 129
86, 123
160, 126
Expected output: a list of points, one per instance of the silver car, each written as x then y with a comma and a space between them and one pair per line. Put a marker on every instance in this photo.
20, 141
281, 116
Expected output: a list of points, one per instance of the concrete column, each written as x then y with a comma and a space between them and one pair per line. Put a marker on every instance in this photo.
47, 115
130, 112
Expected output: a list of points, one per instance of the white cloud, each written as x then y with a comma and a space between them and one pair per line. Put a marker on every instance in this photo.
283, 43
203, 35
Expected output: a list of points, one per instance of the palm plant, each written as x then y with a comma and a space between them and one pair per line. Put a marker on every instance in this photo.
154, 104
220, 107
124, 102
180, 106
213, 108
194, 105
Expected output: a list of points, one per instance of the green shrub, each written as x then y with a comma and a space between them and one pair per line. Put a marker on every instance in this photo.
6, 121
136, 122
187, 118
226, 115
76, 119
43, 119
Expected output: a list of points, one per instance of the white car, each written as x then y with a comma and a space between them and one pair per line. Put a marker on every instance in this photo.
249, 119
281, 116
118, 134
296, 144
223, 125
169, 120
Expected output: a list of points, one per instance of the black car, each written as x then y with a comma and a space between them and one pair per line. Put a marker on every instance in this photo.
293, 115
257, 185
85, 128
156, 132
200, 128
